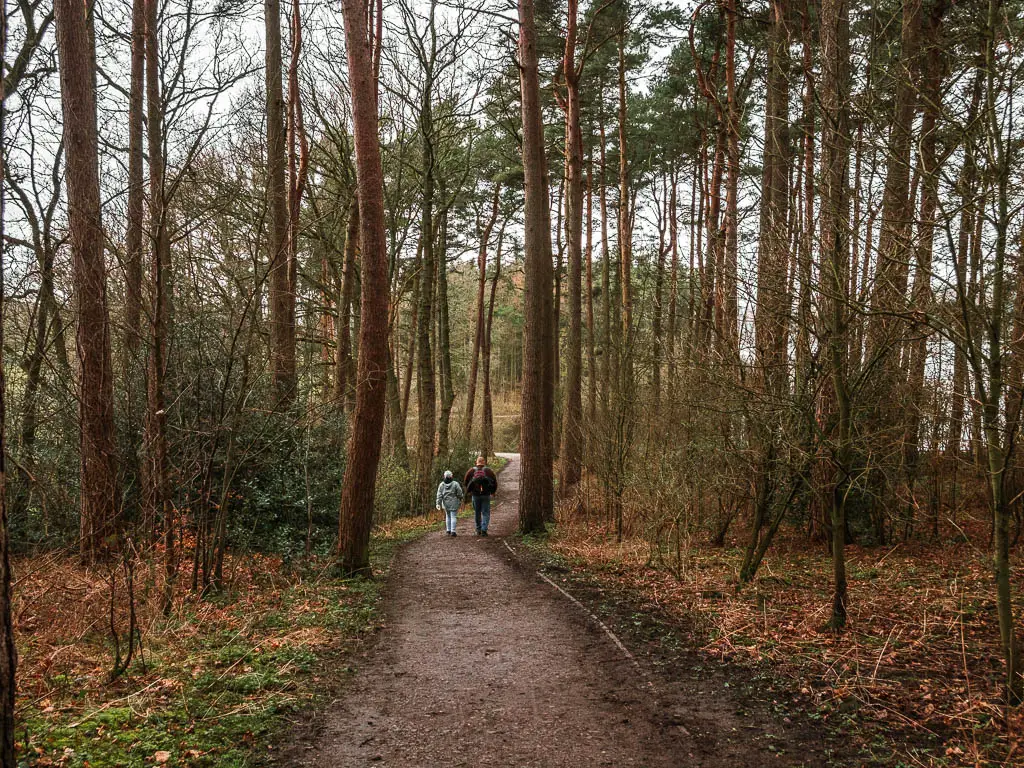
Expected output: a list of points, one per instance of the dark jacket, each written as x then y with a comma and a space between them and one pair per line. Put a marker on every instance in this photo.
475, 490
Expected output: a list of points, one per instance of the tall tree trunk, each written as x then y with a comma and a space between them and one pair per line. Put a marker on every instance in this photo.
772, 308
8, 652
426, 389
157, 492
696, 279
358, 486
658, 314
478, 338
592, 373
488, 430
298, 160
327, 333
771, 316
572, 426
100, 494
535, 497
999, 436
729, 274
444, 347
715, 245
413, 330
711, 203
625, 222
835, 149
968, 193
426, 393
998, 453
810, 401
885, 331
976, 288
1014, 381
556, 297
132, 362
344, 384
673, 283
857, 283
399, 449
933, 66
696, 258
606, 288
133, 244
282, 316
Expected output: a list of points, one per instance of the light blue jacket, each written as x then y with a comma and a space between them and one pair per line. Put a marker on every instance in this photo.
449, 495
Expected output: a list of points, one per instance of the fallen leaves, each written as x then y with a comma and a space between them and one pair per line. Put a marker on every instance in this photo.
920, 652
229, 660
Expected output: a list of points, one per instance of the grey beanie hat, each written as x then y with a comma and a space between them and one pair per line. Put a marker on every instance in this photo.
448, 474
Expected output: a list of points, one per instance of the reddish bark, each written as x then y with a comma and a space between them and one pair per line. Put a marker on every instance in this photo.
357, 495
537, 496
572, 426
100, 496
282, 302
478, 338
344, 375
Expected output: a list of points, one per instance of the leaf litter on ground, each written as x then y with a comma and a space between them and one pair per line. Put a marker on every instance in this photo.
918, 668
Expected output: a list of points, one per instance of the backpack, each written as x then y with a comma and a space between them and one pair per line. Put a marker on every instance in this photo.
480, 484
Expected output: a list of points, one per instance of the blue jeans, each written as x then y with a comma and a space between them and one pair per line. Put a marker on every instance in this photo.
482, 511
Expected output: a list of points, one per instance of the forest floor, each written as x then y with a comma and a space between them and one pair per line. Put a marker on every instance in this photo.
915, 679
566, 650
484, 662
216, 683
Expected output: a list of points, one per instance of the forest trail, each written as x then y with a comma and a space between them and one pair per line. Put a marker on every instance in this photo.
482, 663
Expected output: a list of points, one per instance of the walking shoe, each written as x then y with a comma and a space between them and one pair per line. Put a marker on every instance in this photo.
453, 533
483, 533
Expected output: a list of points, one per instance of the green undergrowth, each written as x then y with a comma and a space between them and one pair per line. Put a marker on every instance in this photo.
498, 464
220, 682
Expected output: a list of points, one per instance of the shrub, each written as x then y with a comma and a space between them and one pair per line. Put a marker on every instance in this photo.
395, 489
506, 435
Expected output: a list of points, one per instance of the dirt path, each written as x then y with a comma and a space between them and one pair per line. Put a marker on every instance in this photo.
482, 663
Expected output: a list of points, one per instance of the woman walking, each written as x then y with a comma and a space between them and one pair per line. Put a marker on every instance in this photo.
449, 498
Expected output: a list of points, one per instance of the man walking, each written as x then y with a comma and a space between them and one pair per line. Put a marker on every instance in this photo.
481, 483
